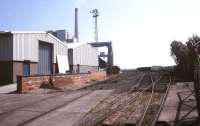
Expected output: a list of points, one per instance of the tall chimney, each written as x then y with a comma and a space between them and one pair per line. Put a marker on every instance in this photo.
76, 35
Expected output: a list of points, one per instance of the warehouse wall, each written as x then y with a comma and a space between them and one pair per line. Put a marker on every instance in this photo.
83, 69
17, 48
85, 55
6, 72
18, 69
9, 70
6, 55
6, 47
70, 56
26, 46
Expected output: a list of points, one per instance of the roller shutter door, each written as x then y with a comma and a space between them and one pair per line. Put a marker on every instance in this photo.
45, 58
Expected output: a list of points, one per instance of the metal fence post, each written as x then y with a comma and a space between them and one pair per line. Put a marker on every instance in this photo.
197, 87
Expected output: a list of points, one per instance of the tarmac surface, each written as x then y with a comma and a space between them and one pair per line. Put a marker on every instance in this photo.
8, 88
58, 109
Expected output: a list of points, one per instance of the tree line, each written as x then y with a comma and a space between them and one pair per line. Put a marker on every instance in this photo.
185, 57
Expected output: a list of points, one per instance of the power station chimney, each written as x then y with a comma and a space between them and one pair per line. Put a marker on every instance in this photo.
76, 35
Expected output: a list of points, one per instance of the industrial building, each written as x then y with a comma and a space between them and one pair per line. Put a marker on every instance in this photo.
83, 57
36, 53
28, 53
50, 52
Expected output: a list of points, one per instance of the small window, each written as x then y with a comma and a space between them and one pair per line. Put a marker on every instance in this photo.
26, 69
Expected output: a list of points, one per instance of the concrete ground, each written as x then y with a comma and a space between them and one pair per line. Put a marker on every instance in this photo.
56, 109
8, 88
174, 111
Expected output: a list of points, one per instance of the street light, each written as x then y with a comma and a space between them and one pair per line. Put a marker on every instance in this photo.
95, 14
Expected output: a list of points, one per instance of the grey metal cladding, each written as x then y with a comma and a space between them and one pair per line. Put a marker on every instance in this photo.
85, 55
6, 47
26, 46
70, 56
45, 58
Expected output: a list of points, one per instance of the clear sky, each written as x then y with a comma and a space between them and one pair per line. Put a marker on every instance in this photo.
141, 30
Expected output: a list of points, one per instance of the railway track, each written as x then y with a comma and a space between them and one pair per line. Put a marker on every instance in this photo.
154, 107
115, 109
132, 108
136, 99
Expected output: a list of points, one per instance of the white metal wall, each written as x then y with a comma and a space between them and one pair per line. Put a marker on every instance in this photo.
85, 55
26, 46
6, 52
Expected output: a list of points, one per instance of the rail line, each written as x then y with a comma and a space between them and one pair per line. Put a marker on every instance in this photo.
109, 106
162, 104
150, 102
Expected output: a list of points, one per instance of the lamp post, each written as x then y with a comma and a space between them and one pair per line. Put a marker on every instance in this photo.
95, 15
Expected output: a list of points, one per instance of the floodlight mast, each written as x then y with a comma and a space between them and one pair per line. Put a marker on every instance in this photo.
95, 15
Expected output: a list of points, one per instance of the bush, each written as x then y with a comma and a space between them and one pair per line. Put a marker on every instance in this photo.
113, 70
48, 85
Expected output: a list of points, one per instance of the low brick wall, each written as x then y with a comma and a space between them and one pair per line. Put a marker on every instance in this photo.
29, 83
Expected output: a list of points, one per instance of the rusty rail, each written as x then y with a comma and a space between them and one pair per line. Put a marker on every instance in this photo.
149, 103
87, 120
162, 103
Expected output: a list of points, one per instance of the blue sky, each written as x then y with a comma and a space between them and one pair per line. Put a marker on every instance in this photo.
141, 30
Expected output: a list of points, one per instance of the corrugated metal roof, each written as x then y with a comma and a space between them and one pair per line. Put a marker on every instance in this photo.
31, 32
75, 45
25, 46
24, 32
28, 32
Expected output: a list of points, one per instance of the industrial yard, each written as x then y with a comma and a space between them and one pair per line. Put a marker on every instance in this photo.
130, 98
99, 63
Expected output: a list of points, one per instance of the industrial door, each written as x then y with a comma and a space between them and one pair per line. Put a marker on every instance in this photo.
45, 58
26, 69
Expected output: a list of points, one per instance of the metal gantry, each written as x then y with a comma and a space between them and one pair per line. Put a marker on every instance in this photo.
110, 51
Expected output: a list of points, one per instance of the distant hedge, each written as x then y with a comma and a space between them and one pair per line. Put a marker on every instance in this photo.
113, 70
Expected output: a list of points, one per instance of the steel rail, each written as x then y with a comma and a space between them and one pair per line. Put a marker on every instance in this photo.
85, 122
149, 101
162, 103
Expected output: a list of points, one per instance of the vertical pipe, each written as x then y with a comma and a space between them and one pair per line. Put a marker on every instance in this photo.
76, 34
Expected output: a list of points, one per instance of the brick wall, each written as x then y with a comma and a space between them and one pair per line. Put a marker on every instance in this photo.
29, 83
33, 68
17, 70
